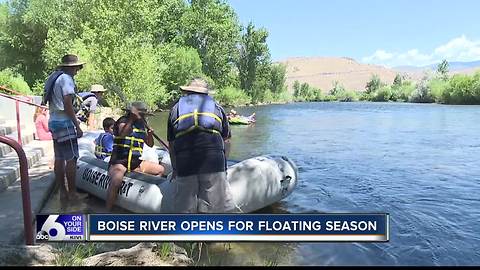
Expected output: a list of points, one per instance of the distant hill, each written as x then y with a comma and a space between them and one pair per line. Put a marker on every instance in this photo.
452, 66
457, 66
322, 72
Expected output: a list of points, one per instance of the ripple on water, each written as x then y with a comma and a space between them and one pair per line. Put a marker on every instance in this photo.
417, 162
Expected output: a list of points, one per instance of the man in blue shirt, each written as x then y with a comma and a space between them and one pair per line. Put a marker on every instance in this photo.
104, 141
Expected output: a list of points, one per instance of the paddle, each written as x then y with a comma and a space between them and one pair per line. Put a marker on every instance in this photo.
117, 90
155, 135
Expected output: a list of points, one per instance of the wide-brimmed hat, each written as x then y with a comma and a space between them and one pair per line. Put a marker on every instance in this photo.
140, 106
71, 60
97, 88
197, 85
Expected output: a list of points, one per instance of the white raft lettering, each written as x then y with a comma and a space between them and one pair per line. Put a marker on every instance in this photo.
103, 180
96, 178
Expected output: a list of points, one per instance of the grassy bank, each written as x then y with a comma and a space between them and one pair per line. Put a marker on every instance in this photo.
458, 89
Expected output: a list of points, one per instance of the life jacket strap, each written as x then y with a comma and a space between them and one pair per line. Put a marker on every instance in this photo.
195, 115
179, 134
139, 130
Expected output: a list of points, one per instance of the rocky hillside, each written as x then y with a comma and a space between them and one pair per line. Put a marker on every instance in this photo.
322, 72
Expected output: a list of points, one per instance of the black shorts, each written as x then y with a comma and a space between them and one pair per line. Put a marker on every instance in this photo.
134, 163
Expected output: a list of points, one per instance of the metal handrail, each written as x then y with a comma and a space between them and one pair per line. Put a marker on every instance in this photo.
17, 107
4, 88
22, 101
25, 185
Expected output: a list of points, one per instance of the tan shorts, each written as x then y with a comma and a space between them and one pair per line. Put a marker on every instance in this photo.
202, 193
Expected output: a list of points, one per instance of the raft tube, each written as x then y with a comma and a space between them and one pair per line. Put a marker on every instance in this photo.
240, 120
253, 183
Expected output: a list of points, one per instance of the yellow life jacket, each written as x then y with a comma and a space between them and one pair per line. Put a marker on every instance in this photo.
131, 146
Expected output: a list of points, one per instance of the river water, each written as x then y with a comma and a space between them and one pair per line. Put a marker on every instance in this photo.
418, 162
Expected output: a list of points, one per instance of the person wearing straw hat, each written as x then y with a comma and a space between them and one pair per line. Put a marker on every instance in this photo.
88, 102
63, 123
131, 133
197, 132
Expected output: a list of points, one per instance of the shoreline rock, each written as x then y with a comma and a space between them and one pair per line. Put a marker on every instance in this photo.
27, 255
145, 254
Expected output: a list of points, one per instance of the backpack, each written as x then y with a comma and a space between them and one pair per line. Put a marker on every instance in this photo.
49, 84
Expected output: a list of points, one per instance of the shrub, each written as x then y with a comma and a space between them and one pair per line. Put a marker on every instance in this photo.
347, 96
329, 98
462, 89
180, 65
284, 96
403, 91
14, 81
437, 88
422, 93
383, 94
337, 89
364, 96
231, 96
374, 84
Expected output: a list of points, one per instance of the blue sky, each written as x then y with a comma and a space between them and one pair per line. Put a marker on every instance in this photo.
386, 32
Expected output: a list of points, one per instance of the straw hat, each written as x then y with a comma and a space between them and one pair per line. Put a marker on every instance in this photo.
97, 88
140, 106
197, 85
71, 60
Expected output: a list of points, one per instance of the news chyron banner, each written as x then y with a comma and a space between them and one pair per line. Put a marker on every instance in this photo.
60, 227
240, 227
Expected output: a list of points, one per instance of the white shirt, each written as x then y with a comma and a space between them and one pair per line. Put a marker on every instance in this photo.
91, 103
63, 86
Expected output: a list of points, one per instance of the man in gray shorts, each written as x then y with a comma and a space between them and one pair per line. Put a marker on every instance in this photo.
63, 124
197, 132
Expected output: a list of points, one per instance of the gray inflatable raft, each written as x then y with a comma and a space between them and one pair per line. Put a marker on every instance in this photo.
253, 183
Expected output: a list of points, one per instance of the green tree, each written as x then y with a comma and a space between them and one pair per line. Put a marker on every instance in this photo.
422, 92
3, 15
382, 94
403, 92
437, 87
278, 78
254, 61
138, 49
337, 89
21, 42
398, 80
166, 23
296, 89
231, 96
15, 81
374, 84
211, 27
462, 89
3, 34
181, 64
442, 70
304, 89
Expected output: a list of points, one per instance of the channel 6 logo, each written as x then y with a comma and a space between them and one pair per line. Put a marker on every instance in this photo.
60, 228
